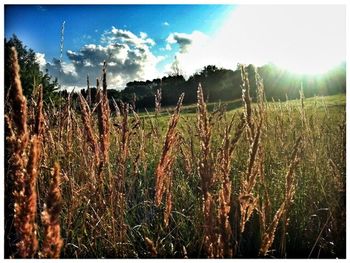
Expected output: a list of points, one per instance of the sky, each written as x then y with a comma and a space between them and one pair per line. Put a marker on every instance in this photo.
141, 42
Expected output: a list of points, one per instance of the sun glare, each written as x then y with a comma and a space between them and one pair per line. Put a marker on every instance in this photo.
314, 67
301, 40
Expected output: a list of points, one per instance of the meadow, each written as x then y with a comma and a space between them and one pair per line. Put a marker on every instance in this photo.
243, 179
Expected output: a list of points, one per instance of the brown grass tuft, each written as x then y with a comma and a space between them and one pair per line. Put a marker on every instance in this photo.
53, 242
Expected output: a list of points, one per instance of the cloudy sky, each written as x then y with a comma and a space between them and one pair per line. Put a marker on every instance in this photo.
142, 42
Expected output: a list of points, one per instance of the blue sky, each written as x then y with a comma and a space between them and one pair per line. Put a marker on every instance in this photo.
40, 26
144, 41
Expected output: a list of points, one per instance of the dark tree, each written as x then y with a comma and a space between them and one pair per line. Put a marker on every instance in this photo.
31, 76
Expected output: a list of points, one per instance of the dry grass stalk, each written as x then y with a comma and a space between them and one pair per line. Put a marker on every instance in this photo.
103, 117
157, 101
68, 124
223, 169
133, 102
104, 78
187, 148
186, 157
164, 167
9, 133
39, 119
206, 172
184, 252
88, 91
118, 183
98, 94
138, 132
269, 232
225, 244
168, 204
25, 212
23, 170
18, 101
125, 134
116, 107
205, 167
88, 125
53, 242
209, 226
151, 247
254, 123
154, 128
337, 177
165, 163
245, 86
247, 199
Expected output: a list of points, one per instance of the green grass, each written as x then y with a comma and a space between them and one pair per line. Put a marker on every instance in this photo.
320, 104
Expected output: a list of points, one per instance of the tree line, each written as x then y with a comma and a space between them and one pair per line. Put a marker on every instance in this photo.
221, 84
218, 84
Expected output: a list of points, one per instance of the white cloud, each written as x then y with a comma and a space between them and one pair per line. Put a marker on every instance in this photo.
125, 36
168, 46
129, 57
40, 59
184, 40
193, 53
143, 35
69, 68
166, 23
298, 37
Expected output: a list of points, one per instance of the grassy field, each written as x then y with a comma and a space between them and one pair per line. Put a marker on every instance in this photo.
236, 179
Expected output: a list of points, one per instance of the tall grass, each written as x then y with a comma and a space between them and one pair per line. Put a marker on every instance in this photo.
265, 180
